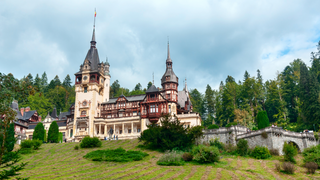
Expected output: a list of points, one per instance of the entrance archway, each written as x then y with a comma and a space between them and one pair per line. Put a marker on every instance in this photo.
294, 145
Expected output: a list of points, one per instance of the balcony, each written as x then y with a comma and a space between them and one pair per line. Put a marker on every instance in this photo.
154, 115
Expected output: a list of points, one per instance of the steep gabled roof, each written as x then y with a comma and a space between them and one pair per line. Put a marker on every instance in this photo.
153, 88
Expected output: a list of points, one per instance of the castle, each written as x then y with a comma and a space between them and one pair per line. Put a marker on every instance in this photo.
96, 114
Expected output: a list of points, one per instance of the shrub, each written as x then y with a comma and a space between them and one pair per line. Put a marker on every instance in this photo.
171, 134
60, 139
288, 167
311, 167
205, 154
231, 124
213, 126
217, 144
289, 152
260, 152
115, 155
76, 147
53, 133
26, 144
242, 147
26, 151
36, 143
171, 158
312, 154
254, 129
39, 132
88, 142
316, 135
187, 156
278, 166
274, 152
264, 134
262, 119
230, 149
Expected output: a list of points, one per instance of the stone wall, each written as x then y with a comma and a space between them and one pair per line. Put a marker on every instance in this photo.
274, 140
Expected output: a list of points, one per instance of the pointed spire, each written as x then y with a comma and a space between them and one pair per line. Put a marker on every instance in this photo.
93, 40
168, 57
185, 84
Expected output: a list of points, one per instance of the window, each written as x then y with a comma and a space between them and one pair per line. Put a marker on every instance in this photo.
168, 86
139, 130
129, 131
157, 109
83, 113
152, 109
168, 96
169, 108
85, 89
152, 96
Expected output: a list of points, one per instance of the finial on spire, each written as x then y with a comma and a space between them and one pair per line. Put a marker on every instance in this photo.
93, 41
168, 49
152, 78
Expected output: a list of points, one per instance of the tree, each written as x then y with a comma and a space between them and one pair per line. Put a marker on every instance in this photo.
149, 85
44, 80
67, 82
37, 83
171, 134
138, 87
197, 102
9, 88
59, 97
40, 103
57, 81
30, 78
309, 97
53, 133
246, 76
39, 132
262, 119
114, 88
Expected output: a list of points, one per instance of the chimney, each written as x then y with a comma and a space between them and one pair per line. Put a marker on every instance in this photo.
27, 109
21, 111
39, 118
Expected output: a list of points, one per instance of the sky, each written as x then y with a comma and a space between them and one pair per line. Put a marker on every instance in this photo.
209, 40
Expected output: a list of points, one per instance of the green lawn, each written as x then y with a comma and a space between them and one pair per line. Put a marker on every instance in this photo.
61, 161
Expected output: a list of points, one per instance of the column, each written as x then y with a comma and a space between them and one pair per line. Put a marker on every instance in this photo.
114, 128
99, 128
122, 128
131, 127
105, 130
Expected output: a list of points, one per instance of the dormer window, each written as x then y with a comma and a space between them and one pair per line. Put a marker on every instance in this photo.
85, 89
152, 96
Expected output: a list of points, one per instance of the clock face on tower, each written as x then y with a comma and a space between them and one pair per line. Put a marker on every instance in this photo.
85, 77
84, 103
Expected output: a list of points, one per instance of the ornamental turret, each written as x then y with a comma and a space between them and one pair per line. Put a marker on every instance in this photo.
170, 81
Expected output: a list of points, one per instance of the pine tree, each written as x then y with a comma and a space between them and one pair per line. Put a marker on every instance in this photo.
67, 82
246, 76
57, 81
262, 119
37, 83
39, 132
44, 80
30, 78
53, 133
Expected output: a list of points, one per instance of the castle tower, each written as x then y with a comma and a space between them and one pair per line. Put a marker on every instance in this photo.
92, 88
170, 82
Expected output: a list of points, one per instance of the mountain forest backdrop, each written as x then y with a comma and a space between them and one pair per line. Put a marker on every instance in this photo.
291, 99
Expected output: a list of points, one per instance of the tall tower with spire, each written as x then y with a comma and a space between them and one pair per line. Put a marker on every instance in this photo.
169, 83
92, 88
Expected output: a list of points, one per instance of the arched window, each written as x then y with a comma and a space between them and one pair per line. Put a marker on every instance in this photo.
83, 113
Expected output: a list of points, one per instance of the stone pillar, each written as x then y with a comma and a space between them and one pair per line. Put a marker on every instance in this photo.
114, 128
99, 128
105, 130
131, 127
122, 128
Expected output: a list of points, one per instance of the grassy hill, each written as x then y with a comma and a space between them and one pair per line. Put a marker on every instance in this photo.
61, 161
